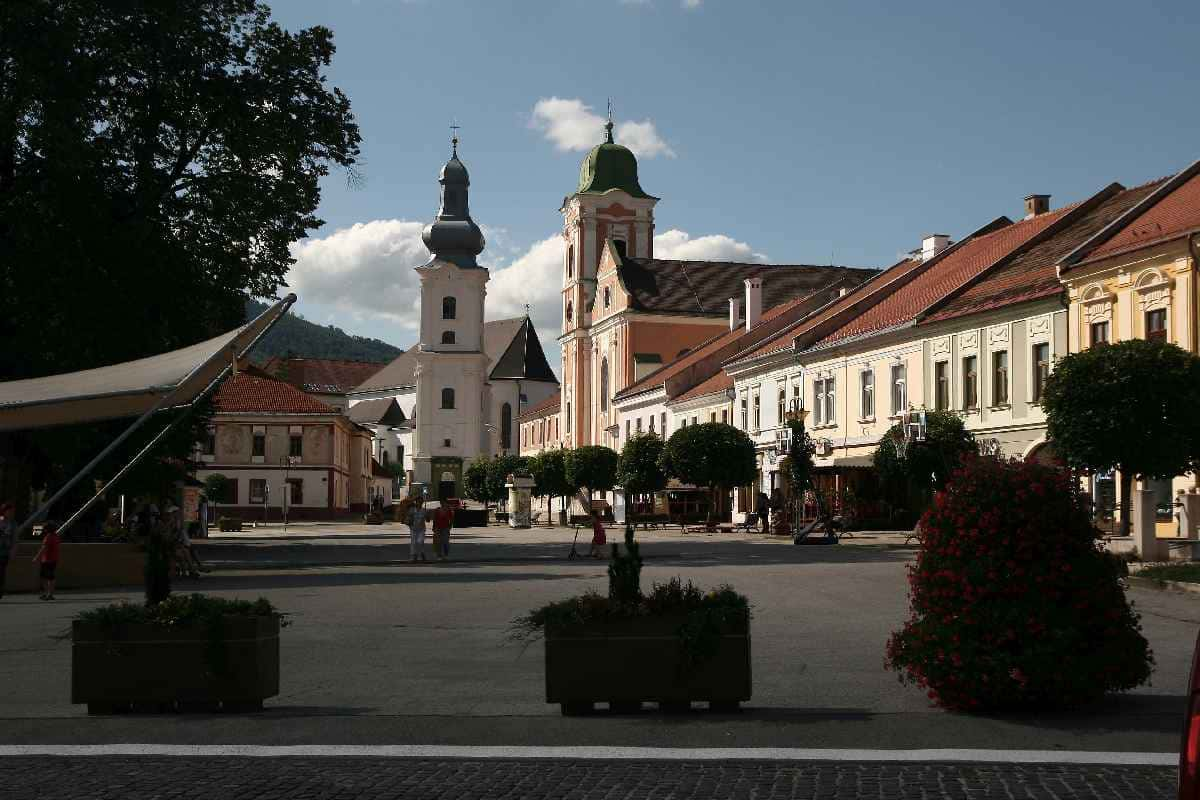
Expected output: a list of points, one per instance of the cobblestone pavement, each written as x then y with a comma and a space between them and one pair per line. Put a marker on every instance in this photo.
184, 778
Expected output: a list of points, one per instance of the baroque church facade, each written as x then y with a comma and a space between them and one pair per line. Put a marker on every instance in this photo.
456, 395
627, 315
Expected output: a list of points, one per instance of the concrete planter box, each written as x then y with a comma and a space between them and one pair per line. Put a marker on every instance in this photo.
230, 524
637, 661
150, 668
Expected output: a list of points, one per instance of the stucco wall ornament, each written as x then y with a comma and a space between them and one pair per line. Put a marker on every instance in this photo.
998, 335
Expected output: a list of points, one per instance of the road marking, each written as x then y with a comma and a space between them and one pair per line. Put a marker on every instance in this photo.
600, 753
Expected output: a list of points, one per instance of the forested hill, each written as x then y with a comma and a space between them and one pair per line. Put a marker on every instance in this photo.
294, 335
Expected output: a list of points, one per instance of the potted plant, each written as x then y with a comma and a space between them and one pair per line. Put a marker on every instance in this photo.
673, 646
187, 652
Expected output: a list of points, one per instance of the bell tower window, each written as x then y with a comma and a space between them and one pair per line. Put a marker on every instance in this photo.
447, 398
571, 261
449, 308
447, 337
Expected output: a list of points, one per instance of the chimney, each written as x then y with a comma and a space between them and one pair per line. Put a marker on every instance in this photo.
753, 301
735, 312
1036, 204
933, 244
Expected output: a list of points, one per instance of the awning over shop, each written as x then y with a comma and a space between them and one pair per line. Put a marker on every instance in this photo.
132, 388
850, 462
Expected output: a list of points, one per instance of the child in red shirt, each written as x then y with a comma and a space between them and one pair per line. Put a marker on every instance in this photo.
47, 555
443, 519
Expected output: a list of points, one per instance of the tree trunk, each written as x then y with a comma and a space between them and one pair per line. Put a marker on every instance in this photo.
1126, 501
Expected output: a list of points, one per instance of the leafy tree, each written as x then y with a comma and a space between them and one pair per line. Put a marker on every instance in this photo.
157, 160
475, 481
638, 468
216, 486
592, 468
711, 454
1129, 406
498, 470
913, 474
549, 470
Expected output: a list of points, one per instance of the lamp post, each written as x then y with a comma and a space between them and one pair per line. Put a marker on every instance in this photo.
287, 462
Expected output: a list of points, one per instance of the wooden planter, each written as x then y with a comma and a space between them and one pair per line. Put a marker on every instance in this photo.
150, 668
637, 661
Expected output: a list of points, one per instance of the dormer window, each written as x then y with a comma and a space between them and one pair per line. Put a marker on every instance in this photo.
447, 337
449, 308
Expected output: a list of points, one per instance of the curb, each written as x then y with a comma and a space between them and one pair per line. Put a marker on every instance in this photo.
1154, 583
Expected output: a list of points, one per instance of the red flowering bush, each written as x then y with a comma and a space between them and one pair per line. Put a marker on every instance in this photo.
1014, 604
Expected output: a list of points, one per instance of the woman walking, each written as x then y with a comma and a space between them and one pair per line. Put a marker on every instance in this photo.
416, 528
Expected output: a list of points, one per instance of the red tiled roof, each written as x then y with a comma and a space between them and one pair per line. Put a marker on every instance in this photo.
550, 405
1174, 215
716, 383
783, 340
322, 375
969, 259
247, 393
1032, 275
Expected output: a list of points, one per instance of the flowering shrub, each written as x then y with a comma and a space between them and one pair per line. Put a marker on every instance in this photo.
1014, 605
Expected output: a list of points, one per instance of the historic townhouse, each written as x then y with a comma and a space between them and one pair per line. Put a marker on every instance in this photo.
1136, 278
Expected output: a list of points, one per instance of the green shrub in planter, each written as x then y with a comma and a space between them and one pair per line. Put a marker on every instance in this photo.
1014, 605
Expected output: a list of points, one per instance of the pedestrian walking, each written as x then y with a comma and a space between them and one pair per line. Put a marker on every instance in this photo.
8, 539
416, 529
47, 557
764, 511
443, 520
598, 536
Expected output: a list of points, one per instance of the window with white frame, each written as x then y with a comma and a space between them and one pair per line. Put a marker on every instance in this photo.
781, 404
756, 404
866, 380
899, 389
823, 401
1041, 370
1000, 378
970, 382
745, 414
1099, 331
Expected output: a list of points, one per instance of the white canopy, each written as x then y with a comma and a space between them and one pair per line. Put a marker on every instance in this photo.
132, 388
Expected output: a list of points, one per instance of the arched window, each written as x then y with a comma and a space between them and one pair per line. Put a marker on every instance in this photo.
604, 385
449, 308
506, 426
570, 311
447, 398
447, 337
570, 261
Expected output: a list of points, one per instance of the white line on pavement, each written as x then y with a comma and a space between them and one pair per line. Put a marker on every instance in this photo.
600, 753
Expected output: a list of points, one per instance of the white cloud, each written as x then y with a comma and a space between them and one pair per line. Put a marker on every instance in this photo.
691, 5
572, 125
677, 244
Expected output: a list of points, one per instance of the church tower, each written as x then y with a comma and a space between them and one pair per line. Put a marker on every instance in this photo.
451, 368
608, 204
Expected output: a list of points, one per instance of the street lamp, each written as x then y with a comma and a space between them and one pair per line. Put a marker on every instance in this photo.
287, 462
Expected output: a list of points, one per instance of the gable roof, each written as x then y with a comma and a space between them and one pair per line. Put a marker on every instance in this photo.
380, 411
703, 288
729, 341
970, 258
250, 393
717, 382
782, 341
524, 358
1169, 212
547, 407
321, 375
1032, 274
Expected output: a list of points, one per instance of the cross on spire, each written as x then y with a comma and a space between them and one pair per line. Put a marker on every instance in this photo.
608, 126
454, 126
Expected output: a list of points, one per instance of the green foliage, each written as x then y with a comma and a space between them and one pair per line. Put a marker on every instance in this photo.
499, 468
178, 611
925, 465
625, 571
592, 468
1129, 406
1014, 606
296, 336
638, 468
157, 160
797, 467
710, 454
216, 486
549, 470
475, 481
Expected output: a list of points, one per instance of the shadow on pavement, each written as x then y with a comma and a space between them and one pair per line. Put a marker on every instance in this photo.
322, 577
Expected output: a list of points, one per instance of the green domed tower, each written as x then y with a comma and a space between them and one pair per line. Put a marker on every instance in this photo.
610, 167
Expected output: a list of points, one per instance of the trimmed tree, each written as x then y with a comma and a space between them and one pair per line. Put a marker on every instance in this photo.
1013, 605
638, 468
712, 454
591, 468
913, 474
475, 481
549, 470
1129, 406
499, 467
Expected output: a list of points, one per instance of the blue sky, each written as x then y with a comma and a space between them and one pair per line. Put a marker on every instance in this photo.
784, 131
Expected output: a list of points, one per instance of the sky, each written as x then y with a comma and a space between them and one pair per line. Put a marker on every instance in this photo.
783, 132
